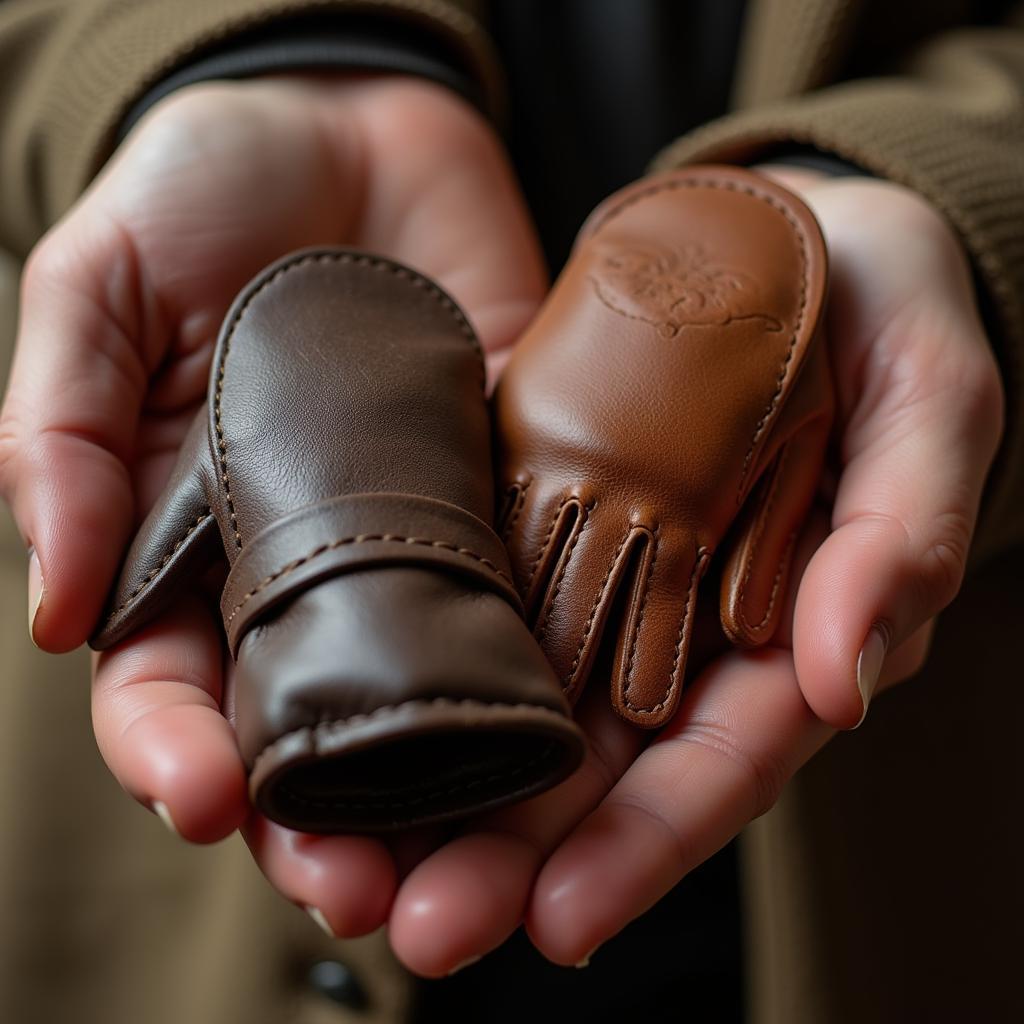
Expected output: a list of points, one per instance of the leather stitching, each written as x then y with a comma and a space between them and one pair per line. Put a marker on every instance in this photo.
581, 524
762, 424
673, 681
516, 509
748, 569
417, 280
152, 575
589, 625
362, 538
640, 616
544, 543
783, 563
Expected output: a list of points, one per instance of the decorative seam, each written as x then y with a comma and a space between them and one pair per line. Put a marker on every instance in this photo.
749, 561
673, 681
415, 279
640, 616
361, 538
754, 193
581, 524
547, 539
152, 575
589, 625
783, 564
517, 507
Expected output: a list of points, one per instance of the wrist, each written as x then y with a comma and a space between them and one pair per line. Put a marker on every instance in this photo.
318, 46
796, 179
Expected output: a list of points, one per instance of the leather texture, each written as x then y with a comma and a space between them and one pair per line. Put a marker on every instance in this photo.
672, 394
342, 469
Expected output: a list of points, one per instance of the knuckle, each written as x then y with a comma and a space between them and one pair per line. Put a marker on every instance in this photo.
46, 263
765, 774
984, 400
944, 559
681, 846
9, 449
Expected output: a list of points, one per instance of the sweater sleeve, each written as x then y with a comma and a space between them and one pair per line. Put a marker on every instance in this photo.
950, 125
71, 72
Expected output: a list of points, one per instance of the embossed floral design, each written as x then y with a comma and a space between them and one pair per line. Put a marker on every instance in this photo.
675, 288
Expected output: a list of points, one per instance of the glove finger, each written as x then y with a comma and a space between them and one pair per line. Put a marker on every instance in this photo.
648, 636
177, 542
539, 528
580, 594
756, 572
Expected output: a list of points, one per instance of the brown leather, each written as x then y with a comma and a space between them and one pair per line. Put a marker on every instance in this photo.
672, 391
385, 676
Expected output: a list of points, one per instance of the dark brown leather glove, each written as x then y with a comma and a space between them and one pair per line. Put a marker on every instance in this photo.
384, 674
673, 392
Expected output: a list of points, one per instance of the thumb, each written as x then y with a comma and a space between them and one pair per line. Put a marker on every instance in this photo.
902, 525
67, 427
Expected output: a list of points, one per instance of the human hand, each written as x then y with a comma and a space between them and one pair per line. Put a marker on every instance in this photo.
122, 303
919, 420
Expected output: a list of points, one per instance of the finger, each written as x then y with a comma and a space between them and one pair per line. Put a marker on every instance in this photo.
921, 402
740, 733
469, 896
540, 527
599, 557
653, 626
345, 883
69, 418
902, 525
158, 723
176, 543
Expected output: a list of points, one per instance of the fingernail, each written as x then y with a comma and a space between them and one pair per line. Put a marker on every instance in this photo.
465, 963
585, 962
869, 665
321, 921
35, 592
161, 811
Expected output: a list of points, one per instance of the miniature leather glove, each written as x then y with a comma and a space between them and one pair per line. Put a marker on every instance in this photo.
342, 469
667, 411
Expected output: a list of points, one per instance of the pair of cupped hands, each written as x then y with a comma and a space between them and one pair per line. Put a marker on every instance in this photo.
122, 302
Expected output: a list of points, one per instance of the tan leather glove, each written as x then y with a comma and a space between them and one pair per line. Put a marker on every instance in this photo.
672, 397
342, 468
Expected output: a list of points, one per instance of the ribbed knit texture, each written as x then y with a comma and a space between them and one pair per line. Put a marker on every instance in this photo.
790, 46
952, 129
